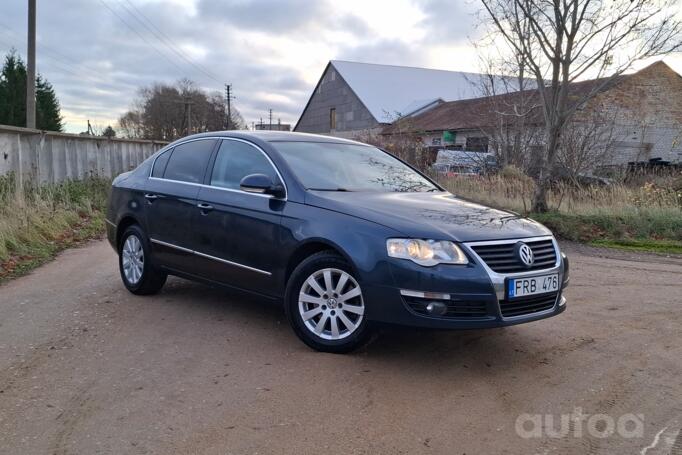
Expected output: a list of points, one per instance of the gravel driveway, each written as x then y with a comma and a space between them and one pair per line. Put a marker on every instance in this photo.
87, 368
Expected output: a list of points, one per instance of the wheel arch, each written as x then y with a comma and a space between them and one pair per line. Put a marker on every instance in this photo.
310, 247
125, 222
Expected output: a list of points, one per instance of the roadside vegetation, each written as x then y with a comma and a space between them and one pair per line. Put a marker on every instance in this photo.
36, 222
644, 215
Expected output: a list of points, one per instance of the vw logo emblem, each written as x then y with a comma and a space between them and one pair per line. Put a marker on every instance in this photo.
525, 254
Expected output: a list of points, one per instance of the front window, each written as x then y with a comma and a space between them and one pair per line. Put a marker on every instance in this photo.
348, 167
235, 161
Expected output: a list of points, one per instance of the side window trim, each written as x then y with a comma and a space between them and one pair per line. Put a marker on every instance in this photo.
151, 171
171, 150
214, 159
211, 164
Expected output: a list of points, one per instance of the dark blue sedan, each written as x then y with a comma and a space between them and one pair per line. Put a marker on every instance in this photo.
342, 233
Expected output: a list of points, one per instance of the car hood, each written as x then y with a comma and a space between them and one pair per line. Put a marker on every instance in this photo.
429, 215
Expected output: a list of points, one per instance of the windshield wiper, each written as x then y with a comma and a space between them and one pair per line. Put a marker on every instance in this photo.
329, 189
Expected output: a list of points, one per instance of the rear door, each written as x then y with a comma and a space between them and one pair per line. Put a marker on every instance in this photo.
171, 199
237, 235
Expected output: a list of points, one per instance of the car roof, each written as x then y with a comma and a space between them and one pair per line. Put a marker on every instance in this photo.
273, 136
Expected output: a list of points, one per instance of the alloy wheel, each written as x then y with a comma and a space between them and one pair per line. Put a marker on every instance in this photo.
132, 258
330, 304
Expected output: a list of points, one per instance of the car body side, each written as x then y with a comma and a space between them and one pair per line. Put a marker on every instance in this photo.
305, 223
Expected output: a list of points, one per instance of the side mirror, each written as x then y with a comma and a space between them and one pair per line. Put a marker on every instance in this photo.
261, 184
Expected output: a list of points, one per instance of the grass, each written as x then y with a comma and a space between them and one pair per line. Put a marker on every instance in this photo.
646, 217
658, 246
36, 222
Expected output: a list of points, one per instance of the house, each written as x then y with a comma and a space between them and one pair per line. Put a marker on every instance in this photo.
279, 126
636, 117
352, 98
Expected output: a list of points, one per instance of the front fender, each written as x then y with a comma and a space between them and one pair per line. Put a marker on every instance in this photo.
361, 242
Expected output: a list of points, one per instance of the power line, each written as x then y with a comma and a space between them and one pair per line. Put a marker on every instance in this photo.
165, 39
73, 67
140, 35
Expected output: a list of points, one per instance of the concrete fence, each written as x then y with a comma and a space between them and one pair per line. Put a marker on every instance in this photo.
49, 157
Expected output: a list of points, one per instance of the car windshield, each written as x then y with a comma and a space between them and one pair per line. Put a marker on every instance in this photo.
328, 166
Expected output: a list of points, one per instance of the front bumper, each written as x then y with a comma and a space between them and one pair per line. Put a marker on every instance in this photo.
468, 297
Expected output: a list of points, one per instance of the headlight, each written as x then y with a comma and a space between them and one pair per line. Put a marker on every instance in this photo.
426, 252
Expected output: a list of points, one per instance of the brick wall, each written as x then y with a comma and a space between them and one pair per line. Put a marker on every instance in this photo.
647, 108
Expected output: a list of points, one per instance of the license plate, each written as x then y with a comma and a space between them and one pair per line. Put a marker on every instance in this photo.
521, 287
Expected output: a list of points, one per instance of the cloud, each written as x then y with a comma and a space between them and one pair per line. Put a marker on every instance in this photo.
265, 15
98, 54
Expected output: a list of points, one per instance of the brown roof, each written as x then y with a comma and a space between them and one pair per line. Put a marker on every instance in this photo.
488, 111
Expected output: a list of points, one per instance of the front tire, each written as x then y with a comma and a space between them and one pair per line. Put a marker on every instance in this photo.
138, 274
325, 306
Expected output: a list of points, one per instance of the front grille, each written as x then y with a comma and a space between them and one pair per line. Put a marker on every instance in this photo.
500, 257
528, 305
455, 309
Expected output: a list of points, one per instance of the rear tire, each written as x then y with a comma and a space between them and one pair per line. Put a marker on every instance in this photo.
325, 305
138, 274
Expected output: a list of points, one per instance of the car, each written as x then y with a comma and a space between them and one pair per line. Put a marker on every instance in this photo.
343, 234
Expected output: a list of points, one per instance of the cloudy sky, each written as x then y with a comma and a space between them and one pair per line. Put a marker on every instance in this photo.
97, 53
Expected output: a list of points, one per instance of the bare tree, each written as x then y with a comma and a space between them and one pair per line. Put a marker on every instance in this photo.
587, 144
161, 112
562, 41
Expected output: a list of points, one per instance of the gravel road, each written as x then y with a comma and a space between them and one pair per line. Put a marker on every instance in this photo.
87, 368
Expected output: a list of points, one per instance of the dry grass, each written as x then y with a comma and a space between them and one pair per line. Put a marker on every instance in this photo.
617, 212
38, 221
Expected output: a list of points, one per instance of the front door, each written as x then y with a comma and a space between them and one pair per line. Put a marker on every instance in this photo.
171, 199
236, 234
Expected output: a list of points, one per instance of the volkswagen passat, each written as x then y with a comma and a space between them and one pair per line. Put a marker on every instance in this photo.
343, 234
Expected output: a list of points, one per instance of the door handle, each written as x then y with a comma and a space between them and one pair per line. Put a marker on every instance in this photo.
151, 197
205, 207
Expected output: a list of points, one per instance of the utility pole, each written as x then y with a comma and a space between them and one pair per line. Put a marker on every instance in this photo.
188, 109
228, 100
270, 119
31, 67
188, 112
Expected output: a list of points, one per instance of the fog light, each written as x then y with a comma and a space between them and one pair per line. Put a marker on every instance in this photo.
437, 308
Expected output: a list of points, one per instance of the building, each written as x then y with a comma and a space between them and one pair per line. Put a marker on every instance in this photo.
635, 117
279, 126
352, 98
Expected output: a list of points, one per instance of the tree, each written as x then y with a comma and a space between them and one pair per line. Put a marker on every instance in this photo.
562, 41
48, 111
161, 112
13, 97
13, 91
109, 132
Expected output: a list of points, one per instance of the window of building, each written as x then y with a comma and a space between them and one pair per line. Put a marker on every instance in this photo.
235, 161
188, 161
332, 118
477, 144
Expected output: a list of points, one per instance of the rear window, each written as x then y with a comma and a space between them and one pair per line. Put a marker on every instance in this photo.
188, 161
160, 164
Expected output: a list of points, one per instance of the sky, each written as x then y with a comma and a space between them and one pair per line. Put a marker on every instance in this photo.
98, 53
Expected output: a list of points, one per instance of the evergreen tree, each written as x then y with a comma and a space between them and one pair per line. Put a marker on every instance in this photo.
48, 115
13, 91
13, 97
109, 132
